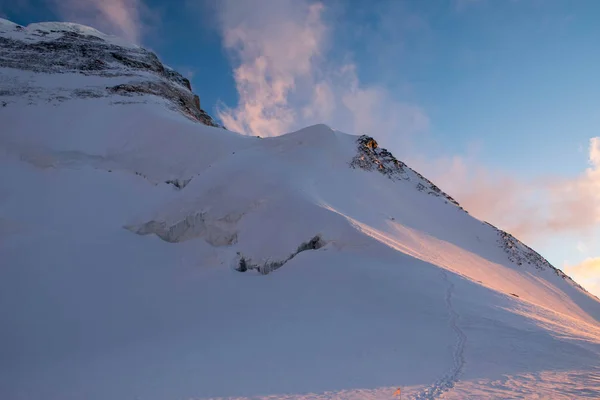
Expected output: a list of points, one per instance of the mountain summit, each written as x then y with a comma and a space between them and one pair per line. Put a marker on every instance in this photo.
146, 252
85, 54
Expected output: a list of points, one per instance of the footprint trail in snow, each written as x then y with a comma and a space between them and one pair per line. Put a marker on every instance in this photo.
458, 359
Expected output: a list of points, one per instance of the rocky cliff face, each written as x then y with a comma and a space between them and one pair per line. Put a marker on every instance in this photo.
521, 254
371, 157
131, 72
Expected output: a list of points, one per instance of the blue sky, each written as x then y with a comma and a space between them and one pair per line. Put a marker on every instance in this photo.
496, 100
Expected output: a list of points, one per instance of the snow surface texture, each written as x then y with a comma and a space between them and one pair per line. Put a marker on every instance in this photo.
123, 225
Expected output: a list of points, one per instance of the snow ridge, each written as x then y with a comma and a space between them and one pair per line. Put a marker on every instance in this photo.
369, 157
519, 253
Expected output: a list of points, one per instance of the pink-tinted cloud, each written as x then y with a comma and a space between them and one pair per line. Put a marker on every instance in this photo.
530, 209
276, 45
118, 17
533, 210
285, 81
587, 273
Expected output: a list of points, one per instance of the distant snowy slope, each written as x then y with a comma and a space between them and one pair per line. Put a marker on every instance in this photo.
146, 253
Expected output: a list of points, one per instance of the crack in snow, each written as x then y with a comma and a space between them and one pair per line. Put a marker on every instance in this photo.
449, 380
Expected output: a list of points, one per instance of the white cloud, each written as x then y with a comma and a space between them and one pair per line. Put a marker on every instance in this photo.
118, 17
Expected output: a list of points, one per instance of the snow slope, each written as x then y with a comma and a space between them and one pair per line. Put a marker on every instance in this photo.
122, 229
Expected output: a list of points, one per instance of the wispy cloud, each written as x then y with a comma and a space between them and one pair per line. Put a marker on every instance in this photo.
122, 18
276, 45
285, 81
534, 210
287, 78
530, 209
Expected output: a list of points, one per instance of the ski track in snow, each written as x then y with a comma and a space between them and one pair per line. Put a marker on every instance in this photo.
449, 380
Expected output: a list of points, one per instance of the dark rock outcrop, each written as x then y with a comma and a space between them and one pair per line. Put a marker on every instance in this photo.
183, 99
521, 254
370, 157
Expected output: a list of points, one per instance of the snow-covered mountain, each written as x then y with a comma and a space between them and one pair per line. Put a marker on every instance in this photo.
147, 253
